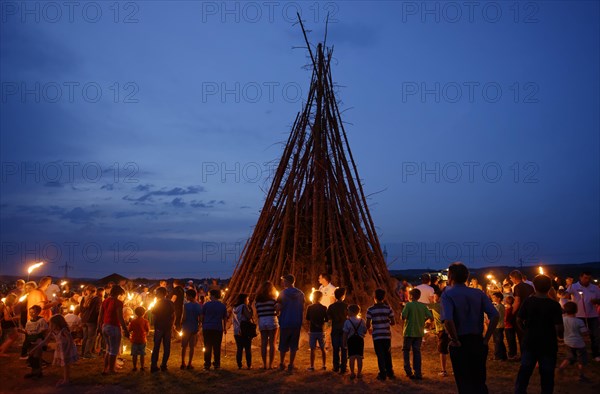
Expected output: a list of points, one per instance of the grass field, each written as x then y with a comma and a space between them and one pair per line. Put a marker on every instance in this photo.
86, 376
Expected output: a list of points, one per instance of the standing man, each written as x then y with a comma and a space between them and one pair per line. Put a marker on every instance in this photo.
462, 314
587, 297
177, 299
38, 297
214, 325
521, 291
290, 306
425, 289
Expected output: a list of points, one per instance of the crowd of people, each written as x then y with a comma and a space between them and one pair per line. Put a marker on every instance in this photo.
525, 320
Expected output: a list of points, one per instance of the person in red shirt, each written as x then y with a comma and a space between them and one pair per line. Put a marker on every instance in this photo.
109, 320
139, 329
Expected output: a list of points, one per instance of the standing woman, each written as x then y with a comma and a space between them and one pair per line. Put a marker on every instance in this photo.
8, 323
90, 308
266, 299
109, 320
241, 313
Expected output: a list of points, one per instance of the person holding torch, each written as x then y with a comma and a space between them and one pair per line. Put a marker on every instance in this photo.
38, 297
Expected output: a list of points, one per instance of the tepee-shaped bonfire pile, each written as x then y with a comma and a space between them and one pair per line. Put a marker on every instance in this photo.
315, 218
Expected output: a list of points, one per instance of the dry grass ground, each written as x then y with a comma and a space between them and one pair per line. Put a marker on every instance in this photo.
86, 376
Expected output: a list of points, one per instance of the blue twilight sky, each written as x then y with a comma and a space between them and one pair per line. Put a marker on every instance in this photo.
138, 137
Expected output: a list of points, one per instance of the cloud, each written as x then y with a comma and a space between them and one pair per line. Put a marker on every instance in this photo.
53, 184
209, 204
108, 186
177, 202
143, 188
176, 191
128, 214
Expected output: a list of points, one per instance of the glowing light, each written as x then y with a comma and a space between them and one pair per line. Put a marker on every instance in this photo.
312, 295
494, 281
203, 349
72, 308
53, 295
541, 270
3, 300
34, 266
180, 333
64, 282
152, 304
81, 287
129, 296
358, 315
124, 348
490, 276
23, 297
580, 292
425, 331
276, 293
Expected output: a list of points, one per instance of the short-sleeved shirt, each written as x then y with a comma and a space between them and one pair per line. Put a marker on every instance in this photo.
380, 316
110, 306
501, 312
213, 313
574, 327
415, 314
328, 294
355, 326
540, 317
178, 303
139, 328
436, 310
316, 314
163, 315
291, 302
590, 293
426, 293
36, 327
523, 291
337, 314
466, 306
193, 311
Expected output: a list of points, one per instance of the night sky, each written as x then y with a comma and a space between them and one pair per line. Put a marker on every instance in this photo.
139, 138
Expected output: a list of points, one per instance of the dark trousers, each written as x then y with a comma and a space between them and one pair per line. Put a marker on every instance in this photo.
546, 366
339, 363
243, 344
511, 340
468, 363
414, 344
89, 339
592, 323
383, 350
212, 343
499, 347
163, 336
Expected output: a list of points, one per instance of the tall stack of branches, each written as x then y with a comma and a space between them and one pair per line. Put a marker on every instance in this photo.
315, 218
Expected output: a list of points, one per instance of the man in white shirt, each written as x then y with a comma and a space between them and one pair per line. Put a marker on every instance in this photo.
327, 289
426, 290
587, 297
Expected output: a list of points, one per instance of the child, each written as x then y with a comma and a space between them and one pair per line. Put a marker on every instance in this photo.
563, 297
355, 330
574, 328
65, 353
337, 313
540, 317
509, 327
442, 336
139, 329
191, 321
164, 317
379, 319
499, 347
414, 314
316, 314
35, 330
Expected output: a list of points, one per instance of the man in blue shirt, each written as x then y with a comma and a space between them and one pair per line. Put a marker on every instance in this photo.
462, 313
290, 305
214, 324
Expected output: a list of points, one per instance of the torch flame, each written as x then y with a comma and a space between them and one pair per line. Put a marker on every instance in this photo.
541, 269
23, 297
34, 266
312, 295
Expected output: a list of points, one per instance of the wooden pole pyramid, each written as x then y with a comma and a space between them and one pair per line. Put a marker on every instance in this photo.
315, 218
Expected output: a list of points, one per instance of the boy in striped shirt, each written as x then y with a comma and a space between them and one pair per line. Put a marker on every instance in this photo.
379, 319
